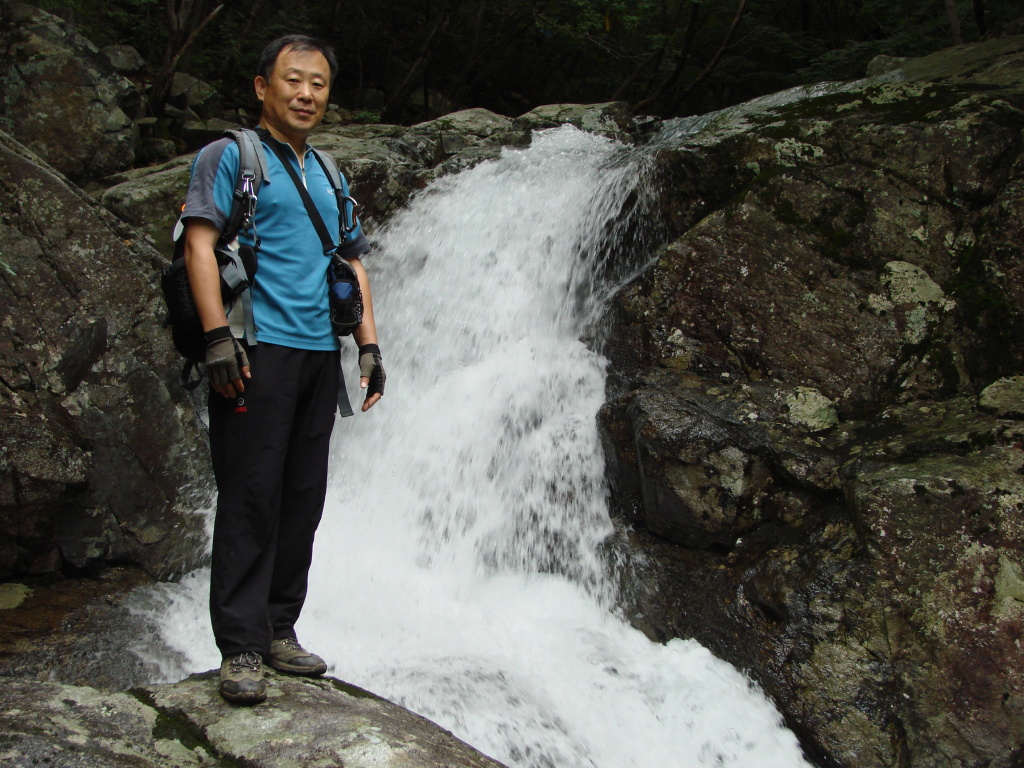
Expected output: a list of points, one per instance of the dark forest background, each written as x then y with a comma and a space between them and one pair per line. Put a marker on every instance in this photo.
407, 60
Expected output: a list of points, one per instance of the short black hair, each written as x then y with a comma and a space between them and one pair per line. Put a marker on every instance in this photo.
268, 58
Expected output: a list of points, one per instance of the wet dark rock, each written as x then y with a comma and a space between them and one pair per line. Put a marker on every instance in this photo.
303, 722
77, 631
54, 84
124, 59
101, 459
813, 432
385, 164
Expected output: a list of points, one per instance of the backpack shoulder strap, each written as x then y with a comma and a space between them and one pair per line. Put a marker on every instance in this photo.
330, 167
252, 169
251, 153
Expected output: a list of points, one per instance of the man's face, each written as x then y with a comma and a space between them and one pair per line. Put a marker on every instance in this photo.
295, 97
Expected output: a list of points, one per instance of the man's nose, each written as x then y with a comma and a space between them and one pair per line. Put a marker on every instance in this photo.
305, 91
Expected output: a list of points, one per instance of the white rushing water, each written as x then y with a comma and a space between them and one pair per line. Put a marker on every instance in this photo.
456, 571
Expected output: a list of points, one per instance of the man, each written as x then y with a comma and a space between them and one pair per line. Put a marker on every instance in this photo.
273, 397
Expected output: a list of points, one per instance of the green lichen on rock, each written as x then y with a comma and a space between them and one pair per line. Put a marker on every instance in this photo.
13, 595
811, 409
304, 723
845, 321
1004, 398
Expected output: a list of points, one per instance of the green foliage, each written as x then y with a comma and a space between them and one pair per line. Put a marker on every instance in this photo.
139, 23
512, 55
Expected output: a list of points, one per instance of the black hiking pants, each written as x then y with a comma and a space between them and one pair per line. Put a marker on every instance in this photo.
270, 449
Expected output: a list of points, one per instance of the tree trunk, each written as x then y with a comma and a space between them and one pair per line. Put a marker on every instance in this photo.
711, 65
183, 27
656, 55
953, 16
684, 55
394, 106
979, 17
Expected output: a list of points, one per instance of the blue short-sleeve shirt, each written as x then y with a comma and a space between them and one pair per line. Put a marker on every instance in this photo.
290, 305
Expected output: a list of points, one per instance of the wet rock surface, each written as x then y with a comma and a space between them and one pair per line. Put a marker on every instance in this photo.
62, 97
813, 432
303, 722
77, 631
102, 458
385, 164
74, 694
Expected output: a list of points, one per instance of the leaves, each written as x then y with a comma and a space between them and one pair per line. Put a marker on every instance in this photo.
512, 55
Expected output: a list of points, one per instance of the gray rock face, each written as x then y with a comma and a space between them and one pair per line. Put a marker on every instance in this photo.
101, 457
150, 199
61, 97
813, 429
1004, 398
109, 476
124, 59
303, 723
612, 119
814, 418
385, 164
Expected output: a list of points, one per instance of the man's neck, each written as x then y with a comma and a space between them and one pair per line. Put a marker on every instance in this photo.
297, 143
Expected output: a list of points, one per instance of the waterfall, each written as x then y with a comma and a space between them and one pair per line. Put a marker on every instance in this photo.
458, 568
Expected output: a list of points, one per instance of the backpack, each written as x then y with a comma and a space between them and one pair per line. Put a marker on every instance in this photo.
238, 263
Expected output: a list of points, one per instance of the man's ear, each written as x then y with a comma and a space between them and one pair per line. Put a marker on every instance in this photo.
260, 85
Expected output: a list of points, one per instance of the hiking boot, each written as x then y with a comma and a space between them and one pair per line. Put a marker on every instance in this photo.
241, 679
286, 655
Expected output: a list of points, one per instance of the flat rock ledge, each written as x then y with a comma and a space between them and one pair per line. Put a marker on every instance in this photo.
322, 723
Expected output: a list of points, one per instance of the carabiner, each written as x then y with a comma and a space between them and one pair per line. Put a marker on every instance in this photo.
250, 195
349, 222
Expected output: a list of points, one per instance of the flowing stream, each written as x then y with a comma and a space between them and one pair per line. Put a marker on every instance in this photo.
458, 570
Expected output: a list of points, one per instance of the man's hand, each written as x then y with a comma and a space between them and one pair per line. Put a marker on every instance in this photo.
226, 362
371, 373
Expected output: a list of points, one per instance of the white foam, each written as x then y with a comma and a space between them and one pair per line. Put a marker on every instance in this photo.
456, 570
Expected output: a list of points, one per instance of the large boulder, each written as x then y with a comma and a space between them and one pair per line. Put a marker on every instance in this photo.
105, 457
149, 198
61, 97
102, 458
187, 725
612, 119
385, 164
813, 432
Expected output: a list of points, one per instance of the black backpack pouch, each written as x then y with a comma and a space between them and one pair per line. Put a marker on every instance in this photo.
346, 299
183, 315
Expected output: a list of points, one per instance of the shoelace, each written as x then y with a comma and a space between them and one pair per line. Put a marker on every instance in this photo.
291, 644
246, 660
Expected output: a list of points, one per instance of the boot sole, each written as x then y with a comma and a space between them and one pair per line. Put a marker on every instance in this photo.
244, 698
289, 669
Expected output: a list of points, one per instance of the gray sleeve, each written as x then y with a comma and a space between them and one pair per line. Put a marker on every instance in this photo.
212, 183
353, 246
